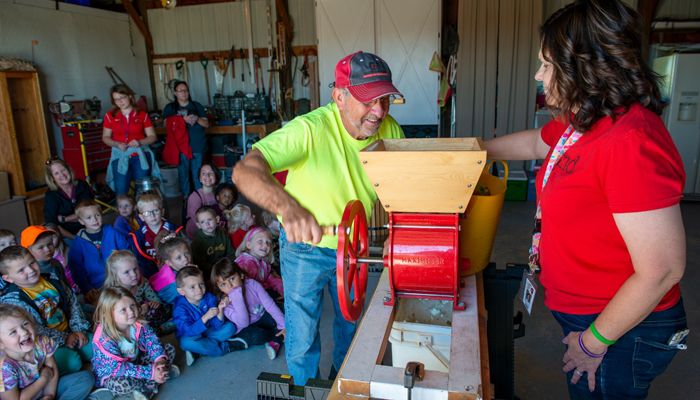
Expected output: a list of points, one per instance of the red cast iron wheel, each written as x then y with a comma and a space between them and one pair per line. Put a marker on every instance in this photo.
352, 244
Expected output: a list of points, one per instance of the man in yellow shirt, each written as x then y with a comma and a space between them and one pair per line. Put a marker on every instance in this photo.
320, 151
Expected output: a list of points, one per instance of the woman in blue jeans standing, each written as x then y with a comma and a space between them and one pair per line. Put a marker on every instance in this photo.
609, 235
196, 122
128, 131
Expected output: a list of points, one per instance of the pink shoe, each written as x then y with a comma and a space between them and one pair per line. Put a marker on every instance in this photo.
272, 348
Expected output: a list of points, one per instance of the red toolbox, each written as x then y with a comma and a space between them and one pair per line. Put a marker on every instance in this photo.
83, 148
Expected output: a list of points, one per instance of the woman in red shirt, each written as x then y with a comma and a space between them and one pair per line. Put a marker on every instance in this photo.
128, 131
610, 239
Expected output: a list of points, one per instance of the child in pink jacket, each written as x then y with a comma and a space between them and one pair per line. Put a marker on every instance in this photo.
255, 257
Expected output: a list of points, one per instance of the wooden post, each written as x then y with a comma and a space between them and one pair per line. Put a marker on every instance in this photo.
284, 23
646, 9
142, 23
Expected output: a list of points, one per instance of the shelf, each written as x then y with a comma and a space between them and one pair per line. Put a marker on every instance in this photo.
261, 130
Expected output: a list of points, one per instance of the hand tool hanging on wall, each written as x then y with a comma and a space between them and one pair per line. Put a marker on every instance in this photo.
220, 70
305, 71
257, 76
205, 61
249, 34
232, 61
242, 53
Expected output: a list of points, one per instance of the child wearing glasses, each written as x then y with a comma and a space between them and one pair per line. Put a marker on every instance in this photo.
91, 247
150, 209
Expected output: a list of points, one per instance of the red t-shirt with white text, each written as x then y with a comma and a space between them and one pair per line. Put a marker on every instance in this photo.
631, 165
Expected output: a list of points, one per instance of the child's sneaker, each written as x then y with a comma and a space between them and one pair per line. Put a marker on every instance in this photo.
272, 349
237, 343
189, 358
101, 394
174, 372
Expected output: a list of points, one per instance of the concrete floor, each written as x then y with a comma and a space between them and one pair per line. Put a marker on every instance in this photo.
538, 356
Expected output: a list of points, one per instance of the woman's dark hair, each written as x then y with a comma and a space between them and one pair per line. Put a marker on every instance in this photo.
213, 168
224, 269
174, 103
595, 50
124, 90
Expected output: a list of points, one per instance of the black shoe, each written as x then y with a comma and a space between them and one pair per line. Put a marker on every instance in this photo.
333, 374
235, 344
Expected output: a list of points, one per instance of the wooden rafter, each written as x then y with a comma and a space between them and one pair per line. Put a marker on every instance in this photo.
150, 4
647, 10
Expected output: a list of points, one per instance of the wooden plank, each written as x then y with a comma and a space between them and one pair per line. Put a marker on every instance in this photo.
261, 52
9, 159
356, 372
465, 358
261, 130
424, 175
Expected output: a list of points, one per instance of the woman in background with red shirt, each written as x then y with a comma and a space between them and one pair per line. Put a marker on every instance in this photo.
128, 131
609, 239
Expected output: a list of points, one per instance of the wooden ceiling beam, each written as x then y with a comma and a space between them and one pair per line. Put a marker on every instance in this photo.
647, 10
150, 4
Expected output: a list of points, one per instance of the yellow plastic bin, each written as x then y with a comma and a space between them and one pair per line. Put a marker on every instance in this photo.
480, 221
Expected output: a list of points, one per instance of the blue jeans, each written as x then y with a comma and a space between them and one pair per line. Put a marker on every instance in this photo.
638, 357
211, 343
188, 171
135, 172
306, 271
75, 386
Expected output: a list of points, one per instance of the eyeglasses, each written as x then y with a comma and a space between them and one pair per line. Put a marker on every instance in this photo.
119, 98
182, 91
51, 159
151, 213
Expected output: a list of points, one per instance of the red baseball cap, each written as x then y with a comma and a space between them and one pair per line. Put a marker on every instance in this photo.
365, 76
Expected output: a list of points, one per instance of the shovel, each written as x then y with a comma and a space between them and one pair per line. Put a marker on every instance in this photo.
204, 61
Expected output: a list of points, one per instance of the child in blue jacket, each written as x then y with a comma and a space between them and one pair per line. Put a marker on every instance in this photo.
92, 245
199, 318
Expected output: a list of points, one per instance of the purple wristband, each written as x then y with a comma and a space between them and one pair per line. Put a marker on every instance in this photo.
586, 351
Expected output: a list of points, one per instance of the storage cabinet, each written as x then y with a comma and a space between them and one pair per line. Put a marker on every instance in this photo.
24, 146
83, 148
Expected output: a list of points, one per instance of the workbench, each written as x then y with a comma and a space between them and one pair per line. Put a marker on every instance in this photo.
261, 130
361, 374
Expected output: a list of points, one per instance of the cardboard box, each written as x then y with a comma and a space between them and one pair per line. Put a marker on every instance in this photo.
4, 186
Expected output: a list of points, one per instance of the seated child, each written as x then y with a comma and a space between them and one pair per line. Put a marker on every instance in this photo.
255, 257
51, 304
240, 219
150, 208
204, 196
126, 222
128, 357
28, 365
7, 239
60, 254
174, 254
257, 318
40, 243
90, 249
273, 224
226, 195
123, 271
199, 318
211, 242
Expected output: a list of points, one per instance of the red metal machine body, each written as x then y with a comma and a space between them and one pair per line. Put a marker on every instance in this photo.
423, 259
423, 256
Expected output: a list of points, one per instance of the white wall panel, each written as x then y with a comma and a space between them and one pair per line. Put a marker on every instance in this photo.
75, 45
403, 32
678, 9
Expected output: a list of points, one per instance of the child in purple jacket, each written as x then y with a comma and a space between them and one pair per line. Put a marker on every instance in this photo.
257, 318
127, 356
